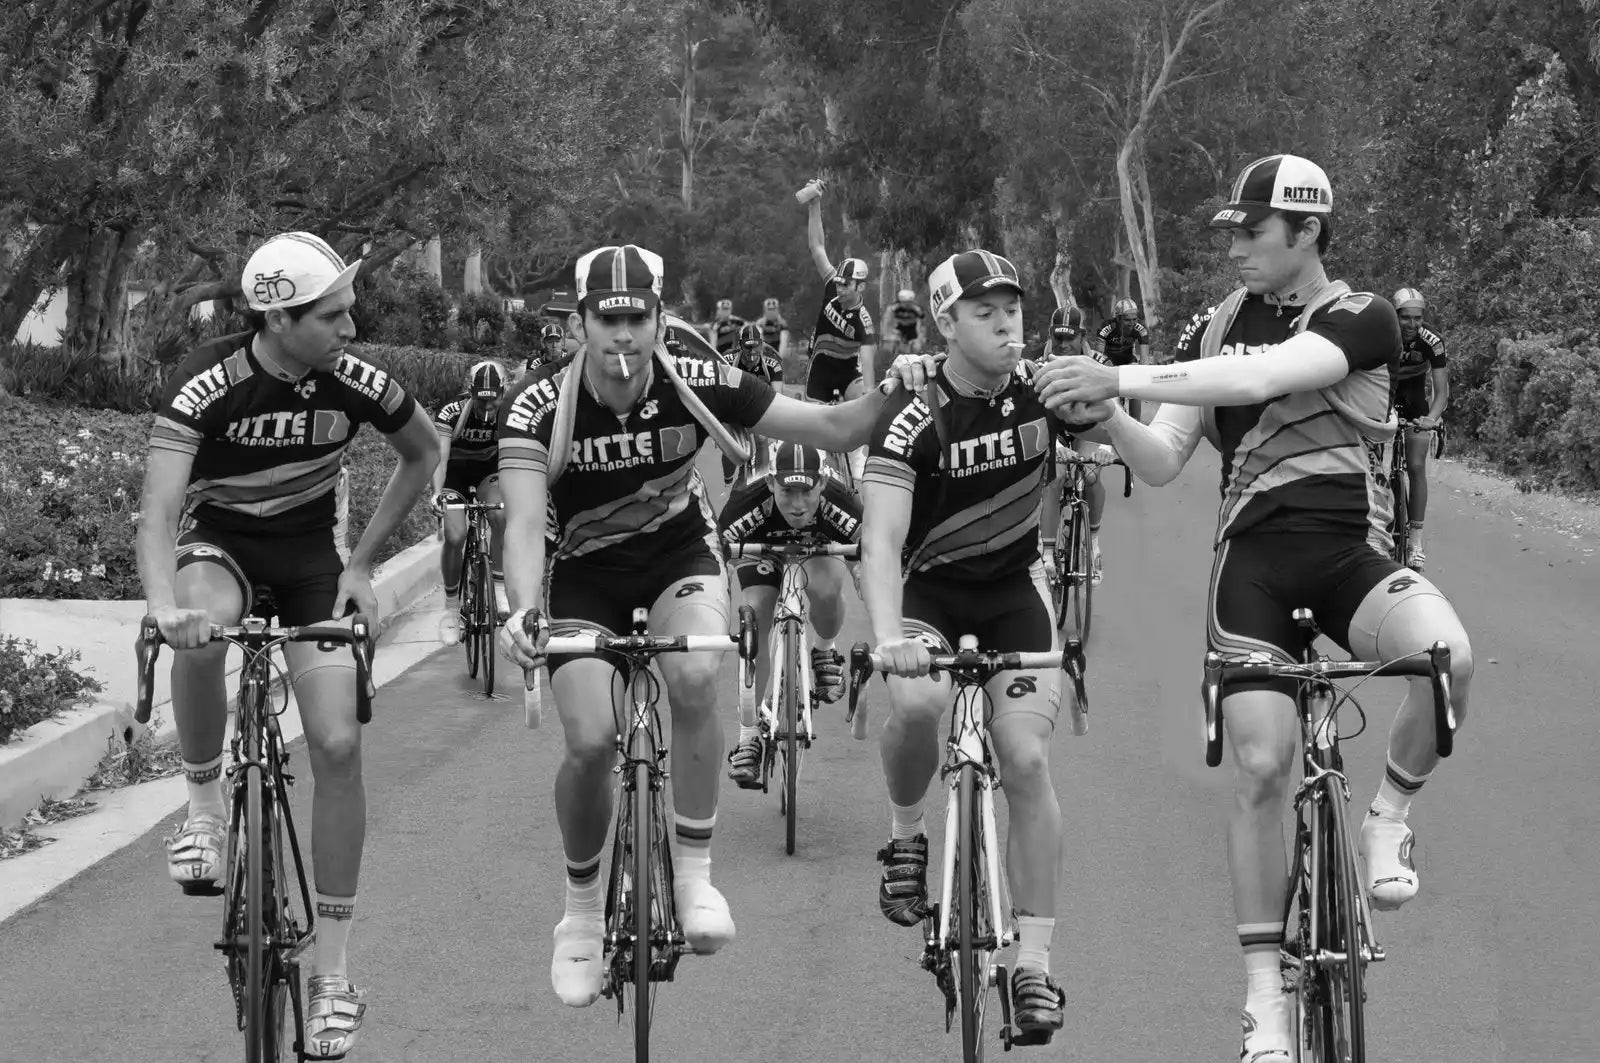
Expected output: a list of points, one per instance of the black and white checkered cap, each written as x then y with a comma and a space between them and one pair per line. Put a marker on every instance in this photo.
968, 274
622, 279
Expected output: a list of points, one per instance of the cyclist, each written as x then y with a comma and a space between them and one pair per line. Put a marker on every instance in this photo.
1124, 340
950, 547
1068, 336
774, 329
243, 489
753, 356
617, 431
723, 330
1303, 524
466, 428
1421, 393
907, 324
552, 347
800, 499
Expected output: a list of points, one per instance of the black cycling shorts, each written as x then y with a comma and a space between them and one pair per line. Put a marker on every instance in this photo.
1411, 397
461, 475
586, 598
301, 572
1010, 614
829, 375
1258, 580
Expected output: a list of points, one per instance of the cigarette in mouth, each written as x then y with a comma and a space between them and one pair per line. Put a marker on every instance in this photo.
1015, 343
624, 363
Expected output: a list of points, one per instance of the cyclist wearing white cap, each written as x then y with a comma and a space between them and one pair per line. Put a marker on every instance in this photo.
1421, 393
907, 325
612, 439
723, 330
245, 461
466, 428
774, 329
1303, 523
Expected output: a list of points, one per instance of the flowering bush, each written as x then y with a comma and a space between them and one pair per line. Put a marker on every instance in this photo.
35, 686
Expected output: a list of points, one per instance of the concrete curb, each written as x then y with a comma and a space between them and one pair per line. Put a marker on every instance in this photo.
55, 757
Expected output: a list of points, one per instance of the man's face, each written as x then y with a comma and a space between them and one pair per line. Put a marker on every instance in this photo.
1410, 321
850, 293
1269, 254
724, 311
984, 327
490, 403
621, 338
797, 503
317, 340
770, 313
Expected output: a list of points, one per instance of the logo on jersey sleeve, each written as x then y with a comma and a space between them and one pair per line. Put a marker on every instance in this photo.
528, 408
204, 388
1353, 303
366, 379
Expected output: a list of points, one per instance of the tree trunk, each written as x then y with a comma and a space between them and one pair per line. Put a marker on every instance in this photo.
1061, 265
686, 100
472, 272
97, 294
851, 229
35, 270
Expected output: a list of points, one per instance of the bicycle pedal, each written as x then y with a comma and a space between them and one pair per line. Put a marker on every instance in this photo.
201, 889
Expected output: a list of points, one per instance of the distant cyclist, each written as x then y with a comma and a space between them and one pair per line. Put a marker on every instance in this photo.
907, 325
1124, 341
753, 356
774, 329
1067, 337
466, 430
1421, 393
552, 347
723, 330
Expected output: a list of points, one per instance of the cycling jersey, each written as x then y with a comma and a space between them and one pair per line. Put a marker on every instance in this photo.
1120, 340
1419, 354
725, 333
751, 516
762, 363
630, 493
978, 517
772, 329
474, 442
907, 319
267, 450
841, 333
1300, 462
684, 338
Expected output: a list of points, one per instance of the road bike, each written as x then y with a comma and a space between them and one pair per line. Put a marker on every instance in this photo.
1400, 486
643, 938
784, 722
968, 925
479, 624
1329, 937
267, 921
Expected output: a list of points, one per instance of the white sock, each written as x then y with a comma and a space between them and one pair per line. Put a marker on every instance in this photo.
334, 916
1262, 976
1033, 941
908, 821
1396, 792
691, 849
452, 601
823, 644
205, 787
583, 887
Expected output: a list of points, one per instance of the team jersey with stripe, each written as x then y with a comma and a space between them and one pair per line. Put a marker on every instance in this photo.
907, 319
629, 495
725, 333
772, 330
1295, 462
841, 333
474, 444
1120, 341
1419, 354
762, 362
978, 517
267, 451
751, 516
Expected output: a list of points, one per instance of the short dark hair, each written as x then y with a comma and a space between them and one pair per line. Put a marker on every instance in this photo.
1297, 220
257, 319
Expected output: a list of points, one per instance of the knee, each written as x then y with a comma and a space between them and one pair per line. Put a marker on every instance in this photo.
337, 754
454, 534
692, 688
1024, 760
591, 748
1261, 773
914, 708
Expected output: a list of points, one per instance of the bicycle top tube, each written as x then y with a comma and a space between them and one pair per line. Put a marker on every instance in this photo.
256, 637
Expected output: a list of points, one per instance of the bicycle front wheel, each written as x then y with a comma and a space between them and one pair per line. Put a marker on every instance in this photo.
792, 749
1401, 488
1076, 576
469, 612
484, 622
972, 936
259, 1038
643, 902
1343, 1028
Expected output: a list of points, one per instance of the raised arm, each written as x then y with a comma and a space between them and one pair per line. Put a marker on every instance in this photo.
814, 238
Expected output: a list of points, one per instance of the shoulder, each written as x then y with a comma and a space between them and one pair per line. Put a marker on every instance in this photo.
531, 399
1188, 345
452, 409
207, 373
902, 423
1361, 312
1430, 337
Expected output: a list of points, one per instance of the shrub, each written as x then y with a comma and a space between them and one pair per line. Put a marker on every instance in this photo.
402, 305
56, 374
524, 337
482, 321
432, 377
35, 686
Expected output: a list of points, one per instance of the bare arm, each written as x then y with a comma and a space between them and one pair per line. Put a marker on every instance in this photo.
441, 470
525, 492
886, 518
418, 446
1440, 379
814, 238
841, 427
869, 358
166, 482
1158, 451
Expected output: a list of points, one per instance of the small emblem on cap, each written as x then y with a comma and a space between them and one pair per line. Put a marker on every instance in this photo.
1302, 194
1234, 216
620, 302
273, 288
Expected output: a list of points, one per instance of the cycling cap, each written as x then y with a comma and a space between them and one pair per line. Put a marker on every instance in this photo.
1407, 298
620, 280
725, 304
905, 295
770, 304
293, 269
969, 274
1277, 182
554, 332
852, 269
1067, 321
796, 466
1124, 306
488, 380
750, 335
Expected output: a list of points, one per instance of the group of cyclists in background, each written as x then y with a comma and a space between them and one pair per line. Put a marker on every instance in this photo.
941, 474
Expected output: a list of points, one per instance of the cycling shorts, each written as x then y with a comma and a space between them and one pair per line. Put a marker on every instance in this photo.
1258, 580
829, 375
300, 572
461, 475
1411, 397
599, 599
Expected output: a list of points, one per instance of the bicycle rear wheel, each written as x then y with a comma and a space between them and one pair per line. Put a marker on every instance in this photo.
483, 622
971, 917
1343, 1012
469, 611
642, 905
792, 722
1400, 485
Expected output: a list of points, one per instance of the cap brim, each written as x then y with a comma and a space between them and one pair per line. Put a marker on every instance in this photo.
992, 283
486, 393
612, 304
1240, 215
799, 479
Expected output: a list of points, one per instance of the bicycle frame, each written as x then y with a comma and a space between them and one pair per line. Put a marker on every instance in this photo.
478, 620
967, 750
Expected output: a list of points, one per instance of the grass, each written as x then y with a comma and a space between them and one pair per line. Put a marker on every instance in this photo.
26, 838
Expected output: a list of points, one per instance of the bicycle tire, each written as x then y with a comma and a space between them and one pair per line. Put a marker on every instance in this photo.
469, 611
1077, 579
1343, 1014
484, 622
643, 833
258, 950
1400, 486
791, 741
971, 957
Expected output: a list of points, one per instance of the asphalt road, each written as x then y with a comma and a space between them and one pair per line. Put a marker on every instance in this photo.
1495, 961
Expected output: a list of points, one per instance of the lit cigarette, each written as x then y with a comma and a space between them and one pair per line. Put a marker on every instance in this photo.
624, 363
1015, 343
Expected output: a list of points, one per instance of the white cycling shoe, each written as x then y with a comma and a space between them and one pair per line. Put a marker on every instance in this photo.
1386, 846
450, 628
1268, 1031
576, 965
703, 911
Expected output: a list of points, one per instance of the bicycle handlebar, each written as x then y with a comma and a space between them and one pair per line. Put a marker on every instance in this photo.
984, 664
482, 507
1220, 671
795, 551
1074, 458
255, 636
1408, 425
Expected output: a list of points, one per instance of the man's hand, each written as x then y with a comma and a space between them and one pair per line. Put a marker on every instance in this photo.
184, 629
911, 371
517, 646
1074, 379
1104, 454
813, 190
355, 587
906, 657
1427, 423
